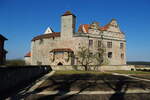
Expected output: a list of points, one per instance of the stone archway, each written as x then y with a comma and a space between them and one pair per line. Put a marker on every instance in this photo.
60, 64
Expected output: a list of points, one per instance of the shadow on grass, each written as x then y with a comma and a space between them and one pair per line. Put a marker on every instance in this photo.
120, 86
63, 84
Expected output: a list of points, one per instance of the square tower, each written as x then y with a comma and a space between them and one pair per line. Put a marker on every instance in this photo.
67, 25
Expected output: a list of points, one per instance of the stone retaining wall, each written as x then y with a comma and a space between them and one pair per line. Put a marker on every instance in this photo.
13, 77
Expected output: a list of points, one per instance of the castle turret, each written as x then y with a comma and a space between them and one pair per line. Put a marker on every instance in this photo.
67, 25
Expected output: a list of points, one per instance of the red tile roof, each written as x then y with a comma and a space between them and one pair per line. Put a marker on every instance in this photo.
62, 49
43, 36
104, 28
87, 26
28, 54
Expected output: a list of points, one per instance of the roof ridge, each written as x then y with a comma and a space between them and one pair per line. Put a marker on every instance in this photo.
54, 34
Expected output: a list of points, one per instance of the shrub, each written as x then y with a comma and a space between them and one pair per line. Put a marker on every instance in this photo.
15, 62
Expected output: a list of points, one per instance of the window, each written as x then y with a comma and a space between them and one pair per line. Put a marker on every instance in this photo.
90, 43
99, 43
109, 44
109, 54
122, 56
121, 45
91, 53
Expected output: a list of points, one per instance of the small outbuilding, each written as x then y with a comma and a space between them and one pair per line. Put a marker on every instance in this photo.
3, 52
27, 58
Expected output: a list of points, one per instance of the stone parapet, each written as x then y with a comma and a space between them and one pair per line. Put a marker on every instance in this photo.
97, 68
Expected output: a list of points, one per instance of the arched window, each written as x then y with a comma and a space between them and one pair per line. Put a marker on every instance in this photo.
60, 64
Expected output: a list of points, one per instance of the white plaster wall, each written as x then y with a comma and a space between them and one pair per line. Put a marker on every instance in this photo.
27, 60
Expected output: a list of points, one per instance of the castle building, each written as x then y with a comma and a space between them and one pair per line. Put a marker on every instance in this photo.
55, 48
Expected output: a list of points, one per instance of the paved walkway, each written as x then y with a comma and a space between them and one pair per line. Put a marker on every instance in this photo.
40, 81
91, 92
134, 77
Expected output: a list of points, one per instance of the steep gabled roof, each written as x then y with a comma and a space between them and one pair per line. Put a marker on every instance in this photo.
48, 30
2, 37
43, 36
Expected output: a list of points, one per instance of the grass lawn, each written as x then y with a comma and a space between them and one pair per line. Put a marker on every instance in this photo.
130, 72
79, 72
97, 73
145, 76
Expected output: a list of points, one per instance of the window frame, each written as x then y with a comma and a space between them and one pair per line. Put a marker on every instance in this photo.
109, 44
91, 43
99, 43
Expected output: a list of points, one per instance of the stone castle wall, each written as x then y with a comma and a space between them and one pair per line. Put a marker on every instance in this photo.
41, 51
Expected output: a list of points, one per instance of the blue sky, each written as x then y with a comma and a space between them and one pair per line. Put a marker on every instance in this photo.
21, 20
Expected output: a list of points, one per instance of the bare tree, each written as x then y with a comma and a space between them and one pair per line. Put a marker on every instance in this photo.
100, 56
87, 58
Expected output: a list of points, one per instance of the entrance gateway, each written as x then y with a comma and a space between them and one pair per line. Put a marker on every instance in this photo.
60, 64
